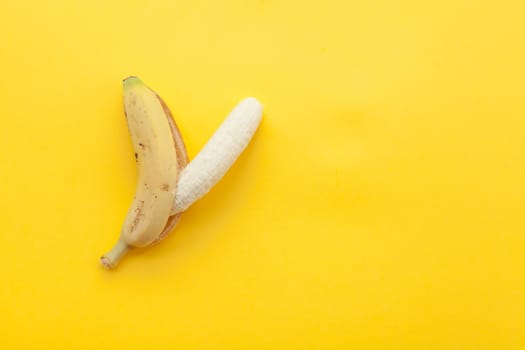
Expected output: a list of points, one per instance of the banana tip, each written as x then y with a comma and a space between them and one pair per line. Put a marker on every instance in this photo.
111, 259
106, 263
132, 79
253, 101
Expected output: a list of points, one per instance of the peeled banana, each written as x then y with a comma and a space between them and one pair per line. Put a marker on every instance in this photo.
218, 155
167, 185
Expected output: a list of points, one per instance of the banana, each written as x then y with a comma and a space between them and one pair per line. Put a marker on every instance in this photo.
218, 155
160, 154
167, 185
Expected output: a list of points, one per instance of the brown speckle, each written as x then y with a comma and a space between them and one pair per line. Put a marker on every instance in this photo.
136, 156
165, 187
139, 214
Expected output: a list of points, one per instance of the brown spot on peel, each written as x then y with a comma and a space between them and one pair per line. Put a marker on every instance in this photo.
139, 214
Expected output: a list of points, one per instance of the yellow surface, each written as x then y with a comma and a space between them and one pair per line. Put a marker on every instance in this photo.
380, 206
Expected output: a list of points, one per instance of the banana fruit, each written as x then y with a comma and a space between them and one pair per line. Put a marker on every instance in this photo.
166, 187
160, 154
218, 155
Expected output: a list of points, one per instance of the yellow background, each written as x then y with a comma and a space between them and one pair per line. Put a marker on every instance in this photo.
380, 205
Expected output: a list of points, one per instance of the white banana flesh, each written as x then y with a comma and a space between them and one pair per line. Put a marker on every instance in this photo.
218, 155
156, 157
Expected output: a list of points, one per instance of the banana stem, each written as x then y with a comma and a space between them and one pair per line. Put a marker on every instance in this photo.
112, 258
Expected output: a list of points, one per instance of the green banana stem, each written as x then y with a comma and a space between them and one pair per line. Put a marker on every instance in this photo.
112, 258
